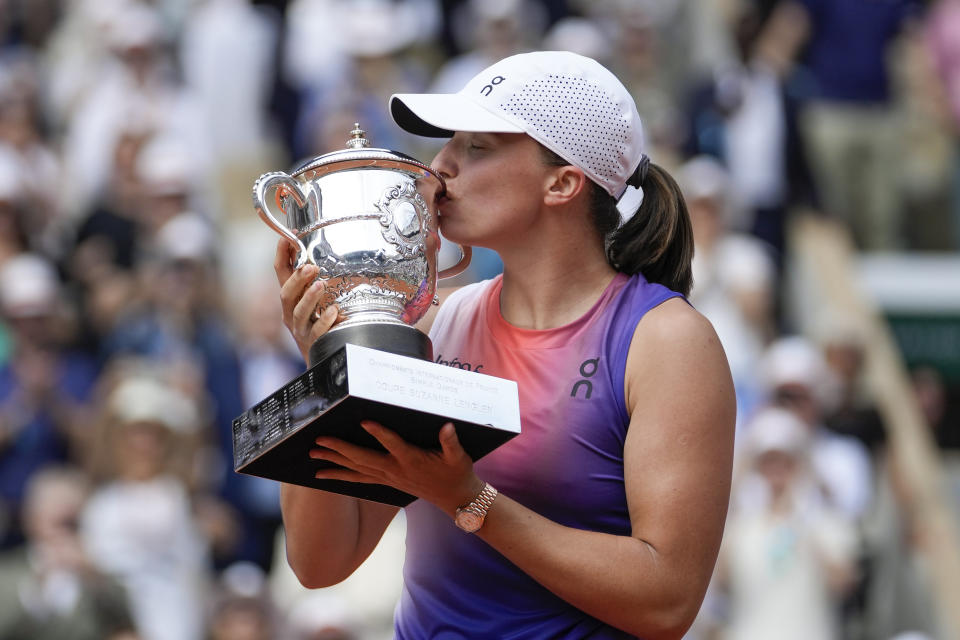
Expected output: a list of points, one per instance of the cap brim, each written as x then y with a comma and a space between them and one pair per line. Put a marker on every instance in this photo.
439, 115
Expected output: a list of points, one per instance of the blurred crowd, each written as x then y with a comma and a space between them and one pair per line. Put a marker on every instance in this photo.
140, 312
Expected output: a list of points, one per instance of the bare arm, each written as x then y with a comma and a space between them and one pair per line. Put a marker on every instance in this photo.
678, 457
328, 535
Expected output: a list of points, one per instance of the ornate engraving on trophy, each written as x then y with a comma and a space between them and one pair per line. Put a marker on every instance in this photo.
405, 218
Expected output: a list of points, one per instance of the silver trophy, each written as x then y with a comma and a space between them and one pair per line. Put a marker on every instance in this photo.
368, 219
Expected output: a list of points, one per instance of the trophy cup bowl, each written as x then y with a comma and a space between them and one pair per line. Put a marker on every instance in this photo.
367, 218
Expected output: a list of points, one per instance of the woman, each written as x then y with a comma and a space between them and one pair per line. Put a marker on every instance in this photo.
609, 506
788, 553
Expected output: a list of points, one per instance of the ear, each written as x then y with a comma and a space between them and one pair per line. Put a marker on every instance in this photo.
563, 185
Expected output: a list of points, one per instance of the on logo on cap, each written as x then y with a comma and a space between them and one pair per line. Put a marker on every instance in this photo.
488, 89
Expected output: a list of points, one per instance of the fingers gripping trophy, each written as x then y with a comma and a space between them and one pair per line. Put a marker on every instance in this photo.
367, 218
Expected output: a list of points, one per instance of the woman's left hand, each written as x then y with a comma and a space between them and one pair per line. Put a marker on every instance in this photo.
444, 478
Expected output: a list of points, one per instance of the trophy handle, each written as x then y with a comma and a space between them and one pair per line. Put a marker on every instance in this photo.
466, 252
282, 185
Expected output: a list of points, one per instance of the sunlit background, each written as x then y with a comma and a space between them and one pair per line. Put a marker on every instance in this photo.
817, 145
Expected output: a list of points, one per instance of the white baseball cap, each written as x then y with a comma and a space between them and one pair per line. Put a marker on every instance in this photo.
145, 399
29, 286
569, 103
774, 429
793, 360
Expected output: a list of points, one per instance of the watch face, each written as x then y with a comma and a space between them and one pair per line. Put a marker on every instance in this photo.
468, 521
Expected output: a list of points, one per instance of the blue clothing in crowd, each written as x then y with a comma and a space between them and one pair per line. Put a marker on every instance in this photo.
848, 47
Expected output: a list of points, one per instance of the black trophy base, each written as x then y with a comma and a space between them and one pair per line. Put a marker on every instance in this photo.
402, 340
273, 438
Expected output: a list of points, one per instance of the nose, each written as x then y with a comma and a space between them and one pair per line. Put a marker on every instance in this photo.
444, 162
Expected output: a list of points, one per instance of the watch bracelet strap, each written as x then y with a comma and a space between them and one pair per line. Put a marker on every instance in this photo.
484, 500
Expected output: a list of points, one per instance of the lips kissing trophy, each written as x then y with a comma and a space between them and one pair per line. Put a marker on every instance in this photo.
367, 218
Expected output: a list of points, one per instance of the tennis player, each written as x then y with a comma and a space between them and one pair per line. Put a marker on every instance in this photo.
603, 518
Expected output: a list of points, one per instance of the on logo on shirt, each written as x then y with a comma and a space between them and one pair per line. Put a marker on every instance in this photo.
588, 368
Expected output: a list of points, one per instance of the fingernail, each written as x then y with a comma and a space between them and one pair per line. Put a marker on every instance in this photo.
331, 311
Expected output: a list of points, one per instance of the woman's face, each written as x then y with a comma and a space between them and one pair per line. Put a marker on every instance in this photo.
495, 187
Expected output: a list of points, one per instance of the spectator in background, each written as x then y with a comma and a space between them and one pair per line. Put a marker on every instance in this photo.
137, 84
76, 52
799, 380
734, 276
579, 35
227, 54
105, 247
28, 24
321, 616
932, 393
107, 234
639, 57
367, 46
178, 313
166, 172
242, 608
850, 125
943, 25
745, 115
179, 319
787, 559
320, 31
45, 388
853, 412
23, 135
14, 238
487, 31
237, 617
660, 49
49, 590
139, 526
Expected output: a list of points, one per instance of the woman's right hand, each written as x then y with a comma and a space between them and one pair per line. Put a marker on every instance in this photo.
324, 550
300, 293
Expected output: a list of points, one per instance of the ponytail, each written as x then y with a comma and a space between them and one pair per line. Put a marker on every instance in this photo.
657, 240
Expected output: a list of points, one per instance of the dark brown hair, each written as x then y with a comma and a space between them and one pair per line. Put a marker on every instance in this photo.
656, 241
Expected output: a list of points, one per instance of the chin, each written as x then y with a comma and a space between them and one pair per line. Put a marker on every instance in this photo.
450, 232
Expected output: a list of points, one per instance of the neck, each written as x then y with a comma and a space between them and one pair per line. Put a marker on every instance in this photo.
554, 279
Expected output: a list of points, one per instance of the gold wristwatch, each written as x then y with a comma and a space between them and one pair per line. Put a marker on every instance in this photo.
470, 516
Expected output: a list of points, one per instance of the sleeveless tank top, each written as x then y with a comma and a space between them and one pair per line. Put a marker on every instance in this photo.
566, 464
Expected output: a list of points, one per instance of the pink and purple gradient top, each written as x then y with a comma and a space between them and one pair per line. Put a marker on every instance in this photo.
566, 464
